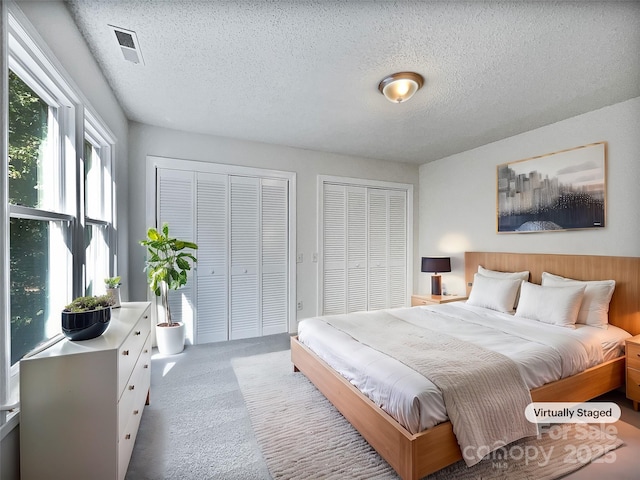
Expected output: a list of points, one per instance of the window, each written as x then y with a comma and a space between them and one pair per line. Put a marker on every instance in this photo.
60, 224
39, 282
31, 120
97, 206
96, 258
39, 279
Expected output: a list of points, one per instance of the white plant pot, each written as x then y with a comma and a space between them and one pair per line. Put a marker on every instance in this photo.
115, 294
170, 339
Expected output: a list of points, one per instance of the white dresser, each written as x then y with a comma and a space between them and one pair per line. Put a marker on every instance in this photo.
81, 402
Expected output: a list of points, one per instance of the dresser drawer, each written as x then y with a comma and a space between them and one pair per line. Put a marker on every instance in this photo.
135, 393
633, 384
130, 350
126, 440
144, 367
417, 301
633, 355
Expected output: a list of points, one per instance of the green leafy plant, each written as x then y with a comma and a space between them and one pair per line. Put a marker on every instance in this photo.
86, 304
112, 282
167, 264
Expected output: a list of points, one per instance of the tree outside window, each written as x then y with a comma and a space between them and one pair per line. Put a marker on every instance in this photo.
29, 239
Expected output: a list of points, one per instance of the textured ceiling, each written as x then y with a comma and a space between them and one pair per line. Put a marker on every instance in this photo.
305, 74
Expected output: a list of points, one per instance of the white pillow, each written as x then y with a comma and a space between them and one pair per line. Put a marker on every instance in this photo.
554, 305
495, 274
594, 310
494, 293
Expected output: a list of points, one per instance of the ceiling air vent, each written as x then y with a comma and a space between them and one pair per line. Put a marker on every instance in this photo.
128, 44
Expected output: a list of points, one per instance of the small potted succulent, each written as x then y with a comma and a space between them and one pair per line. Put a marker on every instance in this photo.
112, 284
86, 317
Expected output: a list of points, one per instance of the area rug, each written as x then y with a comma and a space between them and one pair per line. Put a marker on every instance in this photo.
303, 436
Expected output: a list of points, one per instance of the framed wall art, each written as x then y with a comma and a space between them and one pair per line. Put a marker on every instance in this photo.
559, 191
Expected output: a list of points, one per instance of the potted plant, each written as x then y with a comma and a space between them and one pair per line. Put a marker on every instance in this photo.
86, 317
112, 284
167, 265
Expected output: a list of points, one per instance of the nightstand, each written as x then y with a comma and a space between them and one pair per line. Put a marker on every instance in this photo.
633, 370
436, 299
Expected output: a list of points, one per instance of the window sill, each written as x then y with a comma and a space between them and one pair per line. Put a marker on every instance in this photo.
13, 420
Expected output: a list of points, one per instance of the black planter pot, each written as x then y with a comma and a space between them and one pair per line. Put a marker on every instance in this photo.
85, 325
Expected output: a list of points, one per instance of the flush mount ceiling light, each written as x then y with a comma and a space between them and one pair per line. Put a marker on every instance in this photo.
400, 87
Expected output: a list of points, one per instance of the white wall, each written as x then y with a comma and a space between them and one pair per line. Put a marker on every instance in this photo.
148, 140
458, 194
55, 25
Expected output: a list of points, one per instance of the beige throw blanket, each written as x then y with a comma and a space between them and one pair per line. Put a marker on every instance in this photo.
483, 392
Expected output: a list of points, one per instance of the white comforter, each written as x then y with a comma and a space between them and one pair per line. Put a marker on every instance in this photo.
543, 353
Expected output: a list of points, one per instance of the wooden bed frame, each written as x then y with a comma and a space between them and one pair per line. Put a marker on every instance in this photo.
414, 456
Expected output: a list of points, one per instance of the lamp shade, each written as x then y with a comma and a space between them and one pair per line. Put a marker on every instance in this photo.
400, 87
436, 264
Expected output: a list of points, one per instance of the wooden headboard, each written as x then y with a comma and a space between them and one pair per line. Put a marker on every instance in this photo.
624, 309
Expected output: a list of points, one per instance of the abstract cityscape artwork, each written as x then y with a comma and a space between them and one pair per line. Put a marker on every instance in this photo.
559, 191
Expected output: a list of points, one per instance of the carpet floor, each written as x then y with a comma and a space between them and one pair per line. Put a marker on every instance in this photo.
198, 427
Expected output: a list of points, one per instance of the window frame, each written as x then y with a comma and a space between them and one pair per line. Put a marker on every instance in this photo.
99, 136
27, 55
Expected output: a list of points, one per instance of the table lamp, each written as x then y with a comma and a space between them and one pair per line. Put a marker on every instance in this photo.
435, 265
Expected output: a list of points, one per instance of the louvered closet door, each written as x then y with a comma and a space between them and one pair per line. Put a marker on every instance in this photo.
356, 249
397, 208
213, 248
275, 245
245, 237
345, 249
175, 190
378, 218
334, 295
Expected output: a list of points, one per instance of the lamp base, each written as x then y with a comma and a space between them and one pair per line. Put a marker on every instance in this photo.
436, 285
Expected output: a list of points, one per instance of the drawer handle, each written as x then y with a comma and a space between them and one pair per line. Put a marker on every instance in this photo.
126, 352
424, 302
127, 436
131, 387
137, 332
136, 412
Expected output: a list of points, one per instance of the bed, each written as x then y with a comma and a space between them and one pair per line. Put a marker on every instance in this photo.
414, 455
